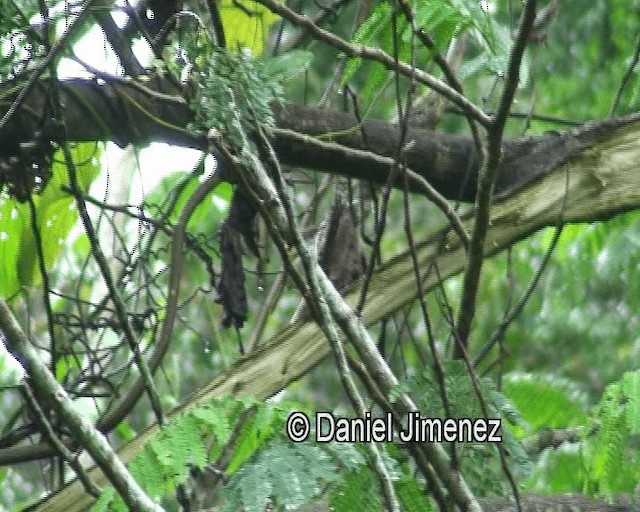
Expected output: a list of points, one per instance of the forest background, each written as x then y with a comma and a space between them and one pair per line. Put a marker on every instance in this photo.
464, 174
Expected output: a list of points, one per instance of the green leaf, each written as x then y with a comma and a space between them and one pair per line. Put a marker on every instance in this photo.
55, 215
125, 431
560, 470
359, 491
346, 454
216, 418
286, 67
412, 496
254, 487
631, 390
107, 496
546, 401
292, 473
292, 484
442, 20
180, 445
246, 28
168, 197
148, 472
611, 456
12, 216
317, 462
378, 21
236, 95
256, 430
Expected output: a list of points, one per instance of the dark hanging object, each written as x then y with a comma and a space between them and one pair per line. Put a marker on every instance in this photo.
341, 257
239, 227
232, 294
242, 218
25, 166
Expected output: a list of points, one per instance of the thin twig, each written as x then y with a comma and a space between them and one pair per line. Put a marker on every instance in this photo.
376, 54
49, 390
116, 413
437, 365
625, 78
114, 294
42, 267
524, 298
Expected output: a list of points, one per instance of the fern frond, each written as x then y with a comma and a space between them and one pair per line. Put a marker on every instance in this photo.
290, 475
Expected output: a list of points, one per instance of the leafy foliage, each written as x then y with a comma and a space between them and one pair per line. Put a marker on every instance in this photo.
412, 496
359, 490
606, 460
546, 401
354, 493
55, 216
237, 91
442, 20
612, 456
575, 338
265, 467
464, 403
284, 474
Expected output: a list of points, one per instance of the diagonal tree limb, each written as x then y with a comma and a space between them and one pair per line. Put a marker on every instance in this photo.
119, 43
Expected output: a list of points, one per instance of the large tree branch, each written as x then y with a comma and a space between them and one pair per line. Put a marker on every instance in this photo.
135, 112
603, 181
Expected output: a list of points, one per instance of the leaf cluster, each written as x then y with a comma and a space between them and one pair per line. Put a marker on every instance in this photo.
480, 462
442, 20
604, 458
236, 91
612, 457
265, 468
55, 215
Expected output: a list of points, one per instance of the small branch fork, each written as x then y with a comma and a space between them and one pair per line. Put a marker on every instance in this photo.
367, 52
491, 157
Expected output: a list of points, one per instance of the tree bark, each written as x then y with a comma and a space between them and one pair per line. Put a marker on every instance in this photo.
136, 112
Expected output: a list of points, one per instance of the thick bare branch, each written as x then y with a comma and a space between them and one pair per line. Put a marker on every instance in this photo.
140, 112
